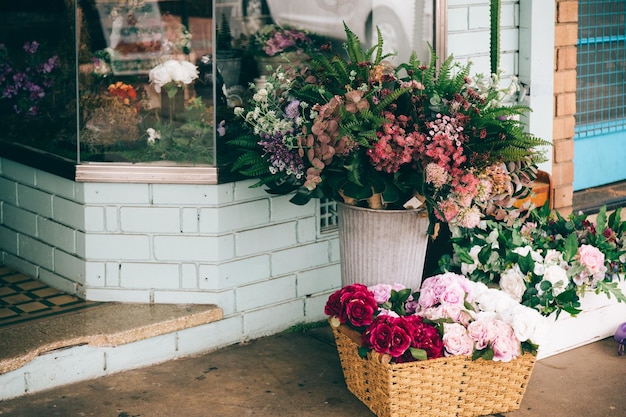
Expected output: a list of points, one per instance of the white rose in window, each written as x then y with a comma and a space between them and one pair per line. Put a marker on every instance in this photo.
172, 74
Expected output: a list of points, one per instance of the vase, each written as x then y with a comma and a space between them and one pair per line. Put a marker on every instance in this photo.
230, 69
382, 246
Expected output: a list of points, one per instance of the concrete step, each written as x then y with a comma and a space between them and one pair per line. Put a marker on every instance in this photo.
102, 340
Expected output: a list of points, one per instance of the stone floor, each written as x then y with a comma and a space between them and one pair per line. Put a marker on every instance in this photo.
299, 374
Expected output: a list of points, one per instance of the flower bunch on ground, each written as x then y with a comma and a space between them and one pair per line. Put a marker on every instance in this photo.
352, 129
545, 261
450, 315
25, 83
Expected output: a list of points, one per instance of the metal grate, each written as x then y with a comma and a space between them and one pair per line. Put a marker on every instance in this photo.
328, 215
601, 66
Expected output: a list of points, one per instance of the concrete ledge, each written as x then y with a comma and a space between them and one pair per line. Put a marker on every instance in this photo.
109, 325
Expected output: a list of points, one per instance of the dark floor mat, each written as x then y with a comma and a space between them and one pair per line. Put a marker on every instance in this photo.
25, 299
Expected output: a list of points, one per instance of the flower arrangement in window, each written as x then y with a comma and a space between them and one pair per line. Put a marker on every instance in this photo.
26, 83
545, 261
450, 315
352, 129
272, 40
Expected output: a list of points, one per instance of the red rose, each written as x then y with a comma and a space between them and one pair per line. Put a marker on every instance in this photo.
430, 340
340, 304
390, 335
360, 310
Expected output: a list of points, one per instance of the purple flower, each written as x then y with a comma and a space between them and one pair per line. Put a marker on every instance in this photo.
31, 47
292, 110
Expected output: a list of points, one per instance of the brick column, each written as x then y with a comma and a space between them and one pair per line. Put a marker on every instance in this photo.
565, 38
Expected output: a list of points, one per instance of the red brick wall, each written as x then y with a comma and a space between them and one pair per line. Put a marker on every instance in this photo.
565, 38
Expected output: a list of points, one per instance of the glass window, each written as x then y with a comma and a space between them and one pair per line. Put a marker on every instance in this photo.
156, 81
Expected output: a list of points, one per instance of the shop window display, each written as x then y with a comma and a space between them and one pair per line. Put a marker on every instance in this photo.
156, 81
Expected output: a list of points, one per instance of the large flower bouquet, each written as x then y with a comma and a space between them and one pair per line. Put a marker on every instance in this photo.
545, 261
354, 130
450, 315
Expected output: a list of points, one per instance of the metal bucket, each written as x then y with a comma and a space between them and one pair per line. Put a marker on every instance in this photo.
382, 246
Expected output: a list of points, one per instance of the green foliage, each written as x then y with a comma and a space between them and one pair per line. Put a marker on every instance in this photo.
545, 239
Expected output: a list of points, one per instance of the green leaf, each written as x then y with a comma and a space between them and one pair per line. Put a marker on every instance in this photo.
526, 264
611, 288
419, 354
571, 247
363, 351
486, 354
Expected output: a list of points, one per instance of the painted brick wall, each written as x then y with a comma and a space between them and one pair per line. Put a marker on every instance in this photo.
468, 34
260, 258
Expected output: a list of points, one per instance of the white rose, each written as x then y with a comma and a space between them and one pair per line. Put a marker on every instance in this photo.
159, 76
190, 72
557, 276
525, 321
512, 282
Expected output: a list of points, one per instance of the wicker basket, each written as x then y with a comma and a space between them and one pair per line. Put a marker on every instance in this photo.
453, 386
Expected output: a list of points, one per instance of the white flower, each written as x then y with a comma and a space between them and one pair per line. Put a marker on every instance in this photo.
493, 239
172, 71
557, 276
512, 282
525, 321
153, 135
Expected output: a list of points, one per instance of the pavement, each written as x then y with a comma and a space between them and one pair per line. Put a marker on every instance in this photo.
299, 374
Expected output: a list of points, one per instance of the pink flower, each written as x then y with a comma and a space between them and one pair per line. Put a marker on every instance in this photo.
482, 332
592, 260
355, 101
436, 175
382, 292
456, 340
505, 345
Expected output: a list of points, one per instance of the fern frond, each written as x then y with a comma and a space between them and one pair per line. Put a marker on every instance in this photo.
353, 46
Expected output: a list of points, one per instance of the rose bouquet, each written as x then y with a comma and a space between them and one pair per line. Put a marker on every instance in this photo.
545, 261
357, 131
450, 315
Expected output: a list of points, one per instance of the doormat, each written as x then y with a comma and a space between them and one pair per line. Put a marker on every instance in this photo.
24, 299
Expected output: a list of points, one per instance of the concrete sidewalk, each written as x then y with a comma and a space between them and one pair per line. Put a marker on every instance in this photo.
298, 374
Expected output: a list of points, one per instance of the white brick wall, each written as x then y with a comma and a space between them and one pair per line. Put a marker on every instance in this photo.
258, 257
468, 34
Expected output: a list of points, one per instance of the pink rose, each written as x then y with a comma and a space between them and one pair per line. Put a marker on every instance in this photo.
592, 260
591, 257
456, 340
453, 294
505, 345
382, 292
481, 332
